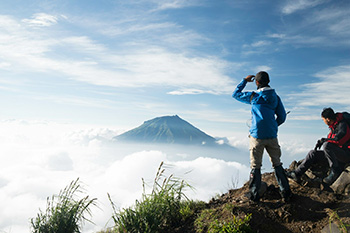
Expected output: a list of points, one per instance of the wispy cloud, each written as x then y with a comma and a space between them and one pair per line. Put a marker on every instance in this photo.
276, 35
142, 66
190, 92
333, 83
325, 23
293, 6
176, 4
123, 28
258, 47
41, 20
263, 68
335, 20
261, 43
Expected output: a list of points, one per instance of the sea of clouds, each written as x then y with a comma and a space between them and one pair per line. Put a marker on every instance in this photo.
38, 159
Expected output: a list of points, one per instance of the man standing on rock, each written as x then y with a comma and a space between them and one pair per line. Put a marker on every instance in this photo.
335, 148
267, 114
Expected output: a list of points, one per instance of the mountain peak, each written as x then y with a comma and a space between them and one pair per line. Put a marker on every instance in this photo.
165, 119
167, 129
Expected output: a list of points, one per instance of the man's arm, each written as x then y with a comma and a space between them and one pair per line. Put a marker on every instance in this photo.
244, 97
342, 136
280, 112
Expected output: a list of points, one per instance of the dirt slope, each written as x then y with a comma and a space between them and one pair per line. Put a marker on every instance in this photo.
311, 209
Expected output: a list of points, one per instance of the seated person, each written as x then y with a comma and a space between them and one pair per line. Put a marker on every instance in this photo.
335, 148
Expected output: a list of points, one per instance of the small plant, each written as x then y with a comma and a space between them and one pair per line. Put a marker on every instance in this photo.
333, 216
63, 213
164, 210
221, 220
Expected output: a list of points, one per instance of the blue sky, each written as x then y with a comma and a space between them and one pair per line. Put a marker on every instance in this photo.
122, 62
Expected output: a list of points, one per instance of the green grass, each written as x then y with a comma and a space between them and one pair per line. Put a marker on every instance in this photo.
165, 209
64, 214
334, 217
222, 220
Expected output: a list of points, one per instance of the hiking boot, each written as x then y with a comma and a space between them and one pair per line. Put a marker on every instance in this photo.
251, 198
286, 195
255, 184
333, 175
292, 175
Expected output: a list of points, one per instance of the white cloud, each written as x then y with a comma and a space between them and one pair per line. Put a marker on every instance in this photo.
293, 6
329, 89
176, 4
258, 47
41, 20
82, 44
263, 68
325, 24
191, 92
60, 162
138, 28
276, 35
4, 65
39, 158
140, 67
333, 19
261, 43
211, 176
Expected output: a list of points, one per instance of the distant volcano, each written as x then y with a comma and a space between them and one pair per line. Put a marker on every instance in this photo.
167, 129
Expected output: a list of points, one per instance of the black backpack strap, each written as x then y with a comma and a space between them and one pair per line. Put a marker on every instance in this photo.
252, 96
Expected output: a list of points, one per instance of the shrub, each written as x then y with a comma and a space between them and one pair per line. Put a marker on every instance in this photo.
164, 210
63, 213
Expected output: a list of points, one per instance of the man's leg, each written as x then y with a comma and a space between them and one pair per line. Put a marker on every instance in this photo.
312, 157
256, 148
255, 184
335, 155
274, 151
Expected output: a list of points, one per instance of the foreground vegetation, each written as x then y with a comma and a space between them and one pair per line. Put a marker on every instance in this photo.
165, 209
64, 214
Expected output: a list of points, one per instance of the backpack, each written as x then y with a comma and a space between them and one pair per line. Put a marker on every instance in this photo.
346, 117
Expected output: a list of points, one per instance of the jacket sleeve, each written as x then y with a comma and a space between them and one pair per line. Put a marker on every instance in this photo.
244, 97
342, 134
280, 112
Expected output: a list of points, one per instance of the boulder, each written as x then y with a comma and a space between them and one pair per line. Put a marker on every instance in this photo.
331, 228
342, 183
314, 175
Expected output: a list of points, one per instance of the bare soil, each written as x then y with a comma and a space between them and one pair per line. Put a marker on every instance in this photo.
311, 209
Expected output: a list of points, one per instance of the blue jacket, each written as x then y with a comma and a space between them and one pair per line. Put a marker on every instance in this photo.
267, 110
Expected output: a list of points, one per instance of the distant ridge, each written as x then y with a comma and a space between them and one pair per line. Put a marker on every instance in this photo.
167, 129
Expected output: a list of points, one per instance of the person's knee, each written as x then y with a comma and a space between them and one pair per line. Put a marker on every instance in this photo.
276, 161
311, 154
276, 164
327, 145
255, 166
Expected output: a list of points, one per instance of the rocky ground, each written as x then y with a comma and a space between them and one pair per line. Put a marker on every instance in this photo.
313, 207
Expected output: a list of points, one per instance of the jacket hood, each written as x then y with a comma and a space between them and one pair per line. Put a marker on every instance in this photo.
266, 95
339, 118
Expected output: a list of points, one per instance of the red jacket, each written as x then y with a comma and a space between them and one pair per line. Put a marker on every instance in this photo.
340, 132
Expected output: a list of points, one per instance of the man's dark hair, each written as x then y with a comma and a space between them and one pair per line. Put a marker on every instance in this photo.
328, 113
262, 77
